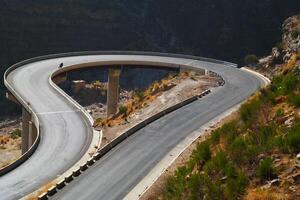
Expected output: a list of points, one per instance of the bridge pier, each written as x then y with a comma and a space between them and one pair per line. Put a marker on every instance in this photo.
113, 90
29, 131
32, 134
25, 130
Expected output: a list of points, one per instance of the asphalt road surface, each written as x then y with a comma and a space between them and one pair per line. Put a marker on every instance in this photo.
66, 134
119, 171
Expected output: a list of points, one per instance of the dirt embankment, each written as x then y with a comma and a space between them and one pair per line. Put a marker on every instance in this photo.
136, 106
10, 141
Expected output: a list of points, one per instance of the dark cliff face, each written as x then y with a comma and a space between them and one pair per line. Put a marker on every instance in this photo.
214, 28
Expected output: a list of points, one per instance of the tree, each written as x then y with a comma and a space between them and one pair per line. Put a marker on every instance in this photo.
123, 110
251, 59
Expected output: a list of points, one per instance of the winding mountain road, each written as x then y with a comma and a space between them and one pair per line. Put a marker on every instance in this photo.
66, 133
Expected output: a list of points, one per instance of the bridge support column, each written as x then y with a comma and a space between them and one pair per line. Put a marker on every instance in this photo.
113, 91
206, 72
32, 134
25, 130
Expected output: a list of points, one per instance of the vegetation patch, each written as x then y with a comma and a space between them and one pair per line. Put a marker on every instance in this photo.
251, 59
239, 155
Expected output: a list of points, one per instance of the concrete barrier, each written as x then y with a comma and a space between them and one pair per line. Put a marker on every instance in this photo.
97, 156
61, 184
90, 161
69, 178
84, 167
51, 191
43, 196
76, 172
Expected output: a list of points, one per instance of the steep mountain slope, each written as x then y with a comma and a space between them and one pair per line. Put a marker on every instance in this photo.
256, 155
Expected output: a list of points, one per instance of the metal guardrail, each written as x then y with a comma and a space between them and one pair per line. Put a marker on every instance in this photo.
35, 119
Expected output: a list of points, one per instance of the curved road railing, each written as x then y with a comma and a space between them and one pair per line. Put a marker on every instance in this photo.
34, 119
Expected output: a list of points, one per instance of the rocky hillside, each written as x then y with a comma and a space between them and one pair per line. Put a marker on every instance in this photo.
284, 55
216, 28
255, 156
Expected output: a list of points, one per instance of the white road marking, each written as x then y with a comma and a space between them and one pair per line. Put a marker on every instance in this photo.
58, 112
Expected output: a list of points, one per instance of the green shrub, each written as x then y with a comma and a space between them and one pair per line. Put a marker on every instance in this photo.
291, 141
235, 187
237, 150
284, 85
251, 59
261, 139
296, 70
249, 109
230, 132
15, 134
196, 185
252, 151
265, 170
243, 150
279, 46
203, 187
140, 95
267, 96
202, 153
215, 136
213, 190
217, 164
265, 134
177, 184
294, 100
279, 112
290, 83
123, 110
229, 170
295, 33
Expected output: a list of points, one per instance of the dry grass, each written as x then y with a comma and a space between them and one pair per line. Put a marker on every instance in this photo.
136, 103
291, 63
271, 194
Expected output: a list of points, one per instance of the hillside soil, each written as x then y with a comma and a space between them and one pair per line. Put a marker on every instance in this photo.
176, 89
10, 141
